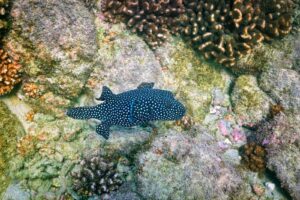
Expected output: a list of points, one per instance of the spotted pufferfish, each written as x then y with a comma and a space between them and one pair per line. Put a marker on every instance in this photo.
130, 108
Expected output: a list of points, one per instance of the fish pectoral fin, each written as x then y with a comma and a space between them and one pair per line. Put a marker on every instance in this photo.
106, 94
103, 130
146, 85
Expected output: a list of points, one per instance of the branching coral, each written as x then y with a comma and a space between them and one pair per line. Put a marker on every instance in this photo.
222, 30
9, 73
225, 30
152, 19
96, 177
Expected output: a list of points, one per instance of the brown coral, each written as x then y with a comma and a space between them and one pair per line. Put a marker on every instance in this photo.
225, 30
152, 19
31, 90
9, 73
96, 176
253, 156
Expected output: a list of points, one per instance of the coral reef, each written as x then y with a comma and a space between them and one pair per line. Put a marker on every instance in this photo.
225, 30
222, 30
178, 166
56, 60
10, 130
31, 90
249, 102
185, 123
3, 14
280, 137
283, 85
9, 72
152, 19
254, 156
96, 176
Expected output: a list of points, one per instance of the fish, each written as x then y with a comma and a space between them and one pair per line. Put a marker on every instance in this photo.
131, 108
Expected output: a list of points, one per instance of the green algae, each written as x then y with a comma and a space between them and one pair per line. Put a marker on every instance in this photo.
10, 129
197, 78
250, 97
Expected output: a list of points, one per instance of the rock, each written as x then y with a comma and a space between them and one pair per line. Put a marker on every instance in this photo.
126, 63
14, 192
282, 141
10, 130
194, 79
249, 102
296, 55
283, 85
57, 43
180, 167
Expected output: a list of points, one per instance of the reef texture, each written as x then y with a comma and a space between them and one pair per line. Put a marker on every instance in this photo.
283, 85
225, 30
250, 103
152, 19
3, 17
222, 30
56, 41
9, 72
180, 167
96, 176
10, 130
281, 139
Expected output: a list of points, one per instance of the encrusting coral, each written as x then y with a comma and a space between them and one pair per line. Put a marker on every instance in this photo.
9, 73
221, 30
153, 19
96, 177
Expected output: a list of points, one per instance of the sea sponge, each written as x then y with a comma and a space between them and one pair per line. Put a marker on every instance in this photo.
152, 19
96, 176
9, 72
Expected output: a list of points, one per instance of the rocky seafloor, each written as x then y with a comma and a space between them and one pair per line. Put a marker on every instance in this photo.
68, 52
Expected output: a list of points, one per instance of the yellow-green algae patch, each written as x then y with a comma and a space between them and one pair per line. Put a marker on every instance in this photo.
10, 129
197, 79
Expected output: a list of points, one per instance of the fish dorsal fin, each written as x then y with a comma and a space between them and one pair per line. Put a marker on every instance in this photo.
146, 85
106, 95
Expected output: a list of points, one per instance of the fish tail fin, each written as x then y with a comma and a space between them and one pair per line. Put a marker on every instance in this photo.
80, 113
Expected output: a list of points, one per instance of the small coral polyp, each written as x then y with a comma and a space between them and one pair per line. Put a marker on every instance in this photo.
152, 19
223, 30
9, 73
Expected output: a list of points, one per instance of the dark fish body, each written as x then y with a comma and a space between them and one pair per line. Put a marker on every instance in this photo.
131, 108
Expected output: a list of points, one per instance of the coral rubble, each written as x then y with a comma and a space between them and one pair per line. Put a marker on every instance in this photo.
96, 177
9, 72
